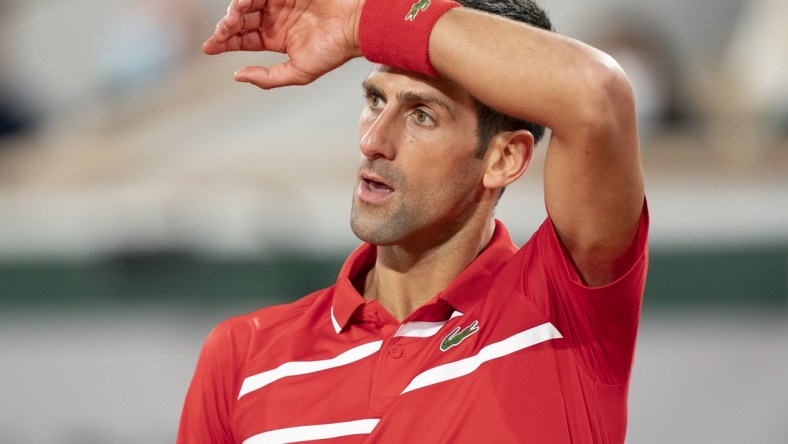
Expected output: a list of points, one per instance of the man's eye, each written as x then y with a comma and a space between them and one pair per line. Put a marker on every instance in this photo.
422, 117
373, 101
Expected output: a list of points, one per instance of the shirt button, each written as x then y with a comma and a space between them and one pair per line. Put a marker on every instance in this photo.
396, 351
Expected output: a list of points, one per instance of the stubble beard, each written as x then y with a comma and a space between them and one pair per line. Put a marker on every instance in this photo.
406, 218
386, 225
379, 226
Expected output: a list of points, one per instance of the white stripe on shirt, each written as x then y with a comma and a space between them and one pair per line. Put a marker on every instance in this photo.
314, 432
419, 329
456, 369
294, 368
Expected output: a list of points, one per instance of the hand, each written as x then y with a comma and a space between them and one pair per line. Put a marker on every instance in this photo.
317, 35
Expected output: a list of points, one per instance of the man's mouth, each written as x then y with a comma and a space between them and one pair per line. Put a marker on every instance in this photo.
378, 187
372, 189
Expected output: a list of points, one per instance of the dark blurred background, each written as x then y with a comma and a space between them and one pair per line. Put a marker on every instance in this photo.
145, 196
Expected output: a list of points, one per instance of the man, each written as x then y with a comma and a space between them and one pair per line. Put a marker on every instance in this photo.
438, 328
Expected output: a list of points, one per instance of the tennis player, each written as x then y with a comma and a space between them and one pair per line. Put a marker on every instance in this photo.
438, 328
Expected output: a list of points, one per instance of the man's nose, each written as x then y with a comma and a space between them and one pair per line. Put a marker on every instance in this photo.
378, 138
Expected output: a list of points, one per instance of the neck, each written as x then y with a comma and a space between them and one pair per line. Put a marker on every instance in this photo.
405, 278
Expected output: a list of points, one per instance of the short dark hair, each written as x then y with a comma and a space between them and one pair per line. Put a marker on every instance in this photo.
491, 121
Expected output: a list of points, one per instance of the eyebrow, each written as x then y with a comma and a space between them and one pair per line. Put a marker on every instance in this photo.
414, 97
409, 97
369, 88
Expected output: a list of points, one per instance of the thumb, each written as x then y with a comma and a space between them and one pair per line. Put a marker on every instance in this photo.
283, 74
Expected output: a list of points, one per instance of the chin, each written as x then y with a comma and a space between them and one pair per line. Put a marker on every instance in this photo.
376, 231
370, 235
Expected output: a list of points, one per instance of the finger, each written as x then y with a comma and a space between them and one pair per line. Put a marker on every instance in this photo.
220, 32
233, 20
239, 8
239, 42
283, 74
212, 47
242, 15
254, 5
247, 23
233, 12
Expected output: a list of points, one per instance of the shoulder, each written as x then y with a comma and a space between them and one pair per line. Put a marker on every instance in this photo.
545, 253
238, 334
544, 271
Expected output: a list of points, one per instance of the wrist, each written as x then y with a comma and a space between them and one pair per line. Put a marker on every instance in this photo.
355, 24
397, 32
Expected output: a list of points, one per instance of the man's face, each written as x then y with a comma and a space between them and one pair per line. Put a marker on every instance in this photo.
418, 178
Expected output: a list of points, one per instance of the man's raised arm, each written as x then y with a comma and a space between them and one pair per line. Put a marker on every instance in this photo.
593, 176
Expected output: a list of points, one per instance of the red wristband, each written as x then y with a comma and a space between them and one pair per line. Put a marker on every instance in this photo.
397, 32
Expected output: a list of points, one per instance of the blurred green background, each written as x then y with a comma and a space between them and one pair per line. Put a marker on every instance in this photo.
746, 278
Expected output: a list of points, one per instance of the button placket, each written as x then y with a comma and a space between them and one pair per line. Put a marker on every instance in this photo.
396, 352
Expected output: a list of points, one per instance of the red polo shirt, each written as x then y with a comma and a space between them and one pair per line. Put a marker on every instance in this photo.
515, 349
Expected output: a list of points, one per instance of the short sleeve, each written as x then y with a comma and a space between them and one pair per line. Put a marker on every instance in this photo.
206, 411
600, 322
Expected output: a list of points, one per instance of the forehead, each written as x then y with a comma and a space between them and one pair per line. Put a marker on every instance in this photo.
396, 81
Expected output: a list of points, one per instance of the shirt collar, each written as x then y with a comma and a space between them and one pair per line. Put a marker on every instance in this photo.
474, 281
463, 291
346, 297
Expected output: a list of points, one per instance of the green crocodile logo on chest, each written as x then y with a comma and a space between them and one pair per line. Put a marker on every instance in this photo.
456, 336
420, 5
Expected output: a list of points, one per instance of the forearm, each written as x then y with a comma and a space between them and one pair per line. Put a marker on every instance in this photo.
527, 72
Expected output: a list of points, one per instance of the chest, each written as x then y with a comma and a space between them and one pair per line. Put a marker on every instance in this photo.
492, 374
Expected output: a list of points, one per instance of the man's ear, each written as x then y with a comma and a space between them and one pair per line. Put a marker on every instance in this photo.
507, 158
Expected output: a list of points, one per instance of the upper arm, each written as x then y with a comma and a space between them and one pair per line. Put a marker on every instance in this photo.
593, 177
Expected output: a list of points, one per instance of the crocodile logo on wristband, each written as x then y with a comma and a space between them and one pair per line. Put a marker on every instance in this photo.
420, 5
